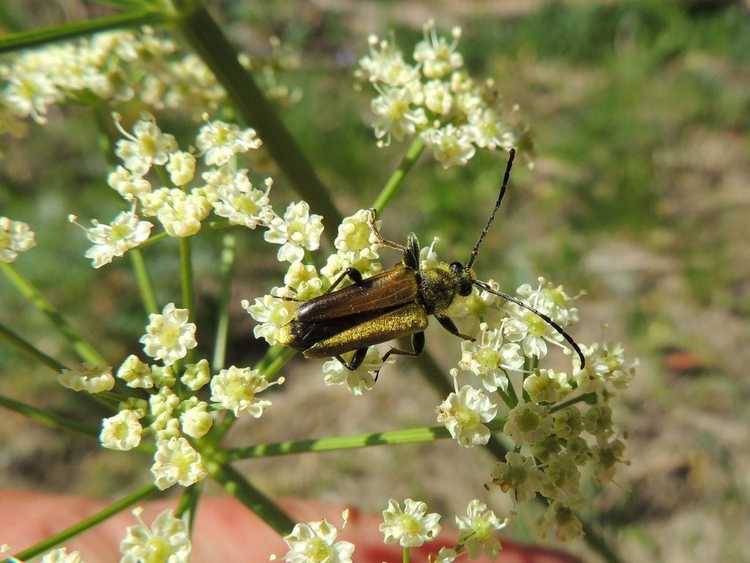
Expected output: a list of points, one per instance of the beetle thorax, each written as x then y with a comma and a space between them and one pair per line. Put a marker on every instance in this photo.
437, 288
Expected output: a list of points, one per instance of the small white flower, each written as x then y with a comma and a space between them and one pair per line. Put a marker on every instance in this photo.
196, 421
386, 64
169, 335
304, 280
446, 555
122, 431
135, 373
337, 263
176, 461
125, 232
551, 300
220, 141
181, 167
296, 232
394, 115
355, 238
477, 307
163, 403
181, 214
358, 381
450, 145
127, 184
196, 375
464, 413
167, 540
489, 356
561, 477
410, 526
605, 363
563, 521
476, 530
30, 93
519, 475
547, 386
488, 131
528, 423
437, 56
59, 555
315, 542
428, 257
235, 389
243, 204
15, 237
92, 379
147, 146
273, 314
437, 97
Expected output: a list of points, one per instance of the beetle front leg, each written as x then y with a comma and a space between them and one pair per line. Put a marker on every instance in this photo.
451, 327
354, 274
356, 361
372, 220
417, 344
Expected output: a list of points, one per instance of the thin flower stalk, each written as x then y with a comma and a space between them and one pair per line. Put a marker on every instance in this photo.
188, 503
226, 268
143, 279
48, 418
86, 523
28, 348
393, 185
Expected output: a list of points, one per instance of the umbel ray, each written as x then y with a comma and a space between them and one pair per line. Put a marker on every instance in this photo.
394, 303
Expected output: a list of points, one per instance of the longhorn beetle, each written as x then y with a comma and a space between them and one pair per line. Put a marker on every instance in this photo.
394, 303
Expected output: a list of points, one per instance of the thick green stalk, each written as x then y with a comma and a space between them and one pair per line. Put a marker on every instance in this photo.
406, 556
208, 40
47, 418
240, 488
226, 268
394, 182
86, 352
70, 30
144, 281
29, 348
86, 523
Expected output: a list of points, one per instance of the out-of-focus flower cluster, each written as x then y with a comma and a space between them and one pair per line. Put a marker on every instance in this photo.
434, 97
15, 237
121, 66
164, 401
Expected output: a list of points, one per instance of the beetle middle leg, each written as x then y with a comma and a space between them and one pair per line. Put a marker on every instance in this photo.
451, 327
353, 273
356, 361
417, 344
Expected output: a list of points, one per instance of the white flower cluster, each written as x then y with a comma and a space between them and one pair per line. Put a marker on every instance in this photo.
434, 97
121, 66
15, 237
356, 246
181, 199
560, 423
173, 413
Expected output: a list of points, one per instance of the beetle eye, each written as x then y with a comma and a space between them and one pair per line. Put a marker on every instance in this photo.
456, 266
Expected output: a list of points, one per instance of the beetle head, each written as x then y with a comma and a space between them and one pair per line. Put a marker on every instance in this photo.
464, 277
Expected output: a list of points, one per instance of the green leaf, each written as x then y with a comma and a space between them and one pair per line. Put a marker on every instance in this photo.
70, 30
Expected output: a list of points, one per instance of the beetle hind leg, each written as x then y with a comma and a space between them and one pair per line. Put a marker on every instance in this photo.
356, 361
417, 344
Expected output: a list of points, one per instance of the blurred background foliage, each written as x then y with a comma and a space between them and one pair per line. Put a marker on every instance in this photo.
639, 112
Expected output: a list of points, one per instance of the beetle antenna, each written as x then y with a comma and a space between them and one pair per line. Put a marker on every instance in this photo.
546, 318
506, 179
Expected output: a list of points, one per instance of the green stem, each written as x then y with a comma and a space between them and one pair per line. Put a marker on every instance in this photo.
394, 182
86, 523
70, 30
406, 556
512, 392
208, 40
144, 281
189, 503
186, 279
84, 350
589, 398
47, 418
597, 542
392, 438
153, 239
29, 348
222, 326
240, 488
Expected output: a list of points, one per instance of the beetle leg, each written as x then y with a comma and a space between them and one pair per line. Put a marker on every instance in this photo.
450, 326
417, 344
354, 274
376, 231
356, 361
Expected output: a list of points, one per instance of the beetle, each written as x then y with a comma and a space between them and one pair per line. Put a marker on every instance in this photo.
394, 303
